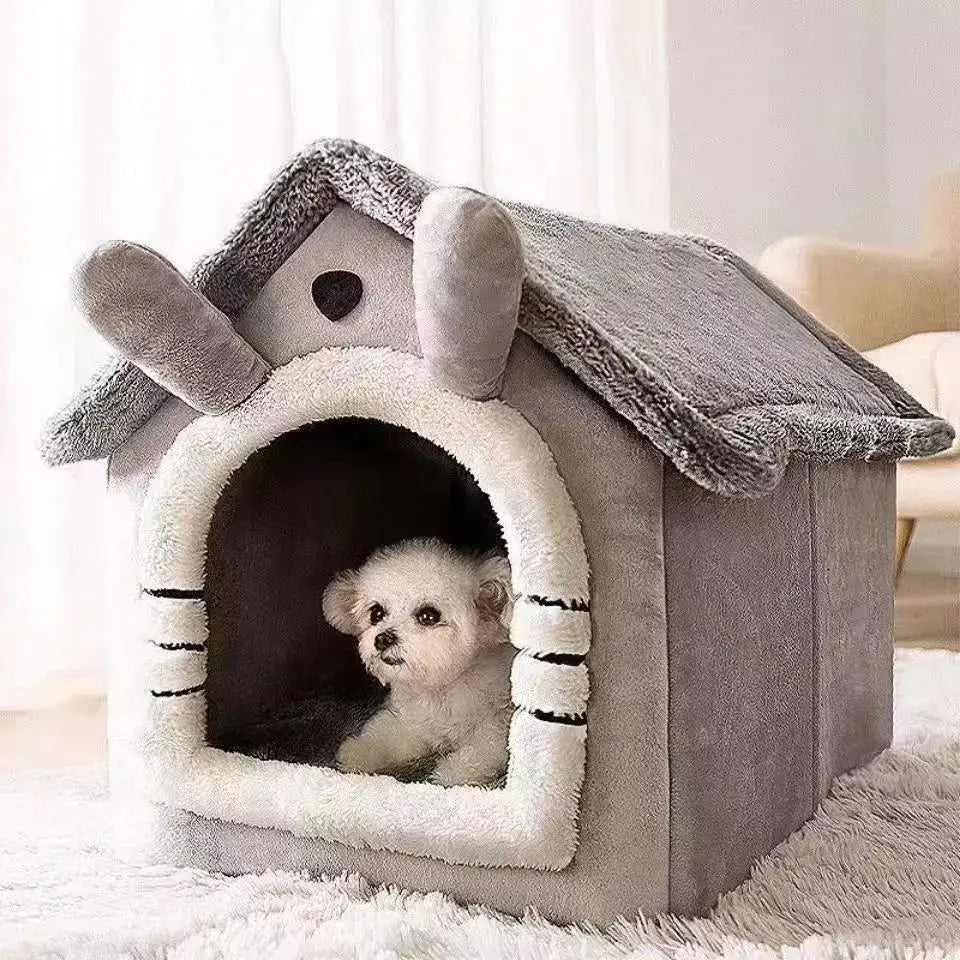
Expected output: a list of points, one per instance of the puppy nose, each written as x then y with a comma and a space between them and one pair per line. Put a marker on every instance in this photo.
383, 640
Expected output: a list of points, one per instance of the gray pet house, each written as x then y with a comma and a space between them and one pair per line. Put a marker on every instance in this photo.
694, 482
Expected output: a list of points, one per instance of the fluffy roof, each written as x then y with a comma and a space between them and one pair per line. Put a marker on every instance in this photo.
720, 369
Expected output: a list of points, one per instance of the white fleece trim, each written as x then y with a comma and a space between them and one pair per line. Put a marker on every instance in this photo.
539, 629
532, 821
556, 688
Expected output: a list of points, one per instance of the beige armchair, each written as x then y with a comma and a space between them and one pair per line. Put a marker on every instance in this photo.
903, 310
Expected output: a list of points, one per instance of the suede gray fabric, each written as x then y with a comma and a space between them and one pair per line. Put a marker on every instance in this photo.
622, 863
282, 321
726, 375
740, 650
614, 478
852, 511
780, 633
467, 273
138, 302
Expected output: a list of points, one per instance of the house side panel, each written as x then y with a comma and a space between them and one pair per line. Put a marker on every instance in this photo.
615, 480
854, 511
740, 663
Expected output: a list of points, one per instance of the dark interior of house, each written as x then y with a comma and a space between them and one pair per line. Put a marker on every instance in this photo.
281, 682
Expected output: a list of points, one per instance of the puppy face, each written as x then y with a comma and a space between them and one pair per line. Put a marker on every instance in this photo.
421, 610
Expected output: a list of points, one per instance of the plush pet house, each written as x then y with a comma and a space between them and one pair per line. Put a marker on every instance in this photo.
693, 480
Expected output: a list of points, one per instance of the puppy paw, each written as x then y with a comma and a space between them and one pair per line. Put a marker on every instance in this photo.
447, 774
357, 755
456, 771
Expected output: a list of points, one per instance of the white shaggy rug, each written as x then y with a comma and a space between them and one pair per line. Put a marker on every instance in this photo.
875, 874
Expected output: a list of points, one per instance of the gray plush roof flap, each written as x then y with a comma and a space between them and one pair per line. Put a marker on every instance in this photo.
720, 369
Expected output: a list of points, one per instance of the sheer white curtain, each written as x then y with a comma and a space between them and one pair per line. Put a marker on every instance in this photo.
561, 103
157, 122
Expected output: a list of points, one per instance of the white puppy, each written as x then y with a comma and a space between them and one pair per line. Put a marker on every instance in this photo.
431, 623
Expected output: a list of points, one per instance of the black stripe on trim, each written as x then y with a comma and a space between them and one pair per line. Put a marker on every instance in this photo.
173, 593
564, 659
576, 720
575, 606
178, 646
176, 693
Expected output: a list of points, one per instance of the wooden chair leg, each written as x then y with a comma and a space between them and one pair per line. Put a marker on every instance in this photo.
905, 526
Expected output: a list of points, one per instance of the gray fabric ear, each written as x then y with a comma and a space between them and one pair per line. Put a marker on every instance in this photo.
139, 303
467, 274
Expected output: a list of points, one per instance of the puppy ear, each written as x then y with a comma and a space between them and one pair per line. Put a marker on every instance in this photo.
340, 599
494, 589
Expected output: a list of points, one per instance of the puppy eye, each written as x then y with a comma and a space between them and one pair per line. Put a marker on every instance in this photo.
428, 616
377, 613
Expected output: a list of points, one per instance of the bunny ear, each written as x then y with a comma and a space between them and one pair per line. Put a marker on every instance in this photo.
141, 304
467, 275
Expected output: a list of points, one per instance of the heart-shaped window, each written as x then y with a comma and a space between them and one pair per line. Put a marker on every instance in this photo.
336, 293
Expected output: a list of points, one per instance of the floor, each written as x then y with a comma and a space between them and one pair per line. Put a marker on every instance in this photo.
874, 874
72, 733
927, 611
